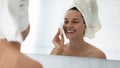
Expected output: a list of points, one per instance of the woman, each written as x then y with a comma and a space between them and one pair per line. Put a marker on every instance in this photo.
14, 28
80, 20
11, 57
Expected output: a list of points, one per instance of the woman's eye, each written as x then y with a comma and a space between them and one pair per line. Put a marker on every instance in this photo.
66, 22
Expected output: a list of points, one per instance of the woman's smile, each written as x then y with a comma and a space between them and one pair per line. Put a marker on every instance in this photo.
70, 33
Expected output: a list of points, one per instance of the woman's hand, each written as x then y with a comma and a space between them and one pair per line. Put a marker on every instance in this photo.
58, 41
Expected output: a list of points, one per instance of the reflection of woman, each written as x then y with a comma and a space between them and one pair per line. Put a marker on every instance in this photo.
14, 28
80, 20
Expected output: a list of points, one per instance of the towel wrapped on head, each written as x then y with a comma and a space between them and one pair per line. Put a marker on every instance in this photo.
13, 19
89, 11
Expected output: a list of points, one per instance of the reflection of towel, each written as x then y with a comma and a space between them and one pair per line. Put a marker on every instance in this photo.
89, 10
13, 19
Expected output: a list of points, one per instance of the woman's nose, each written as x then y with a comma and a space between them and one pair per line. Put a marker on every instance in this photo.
69, 25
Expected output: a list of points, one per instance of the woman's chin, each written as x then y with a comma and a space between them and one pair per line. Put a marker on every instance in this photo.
69, 37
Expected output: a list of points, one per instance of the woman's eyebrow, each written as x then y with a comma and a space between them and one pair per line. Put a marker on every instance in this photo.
76, 19
72, 19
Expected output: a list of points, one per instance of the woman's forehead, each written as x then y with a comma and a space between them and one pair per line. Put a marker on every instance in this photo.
73, 14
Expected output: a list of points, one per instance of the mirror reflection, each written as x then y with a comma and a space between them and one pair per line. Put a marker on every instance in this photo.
45, 20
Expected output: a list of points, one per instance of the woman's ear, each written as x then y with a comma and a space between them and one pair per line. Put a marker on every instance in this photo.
26, 32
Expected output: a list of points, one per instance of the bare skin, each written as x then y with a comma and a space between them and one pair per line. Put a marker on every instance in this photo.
11, 57
74, 29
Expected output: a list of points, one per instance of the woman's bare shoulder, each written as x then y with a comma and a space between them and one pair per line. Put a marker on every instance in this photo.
96, 52
26, 62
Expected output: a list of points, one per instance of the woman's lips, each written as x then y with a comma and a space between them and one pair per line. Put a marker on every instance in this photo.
70, 31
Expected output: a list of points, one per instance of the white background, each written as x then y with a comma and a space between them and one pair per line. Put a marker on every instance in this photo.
46, 15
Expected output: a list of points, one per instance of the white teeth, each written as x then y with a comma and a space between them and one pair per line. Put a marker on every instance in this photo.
70, 31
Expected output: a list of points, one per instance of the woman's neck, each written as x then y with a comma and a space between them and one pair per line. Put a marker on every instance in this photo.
5, 45
16, 45
77, 44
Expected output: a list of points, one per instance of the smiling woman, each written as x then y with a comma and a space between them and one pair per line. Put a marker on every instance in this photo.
79, 22
45, 17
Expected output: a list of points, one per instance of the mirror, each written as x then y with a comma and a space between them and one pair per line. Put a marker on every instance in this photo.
45, 17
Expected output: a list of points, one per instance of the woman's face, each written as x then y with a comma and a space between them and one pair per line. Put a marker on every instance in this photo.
26, 32
74, 26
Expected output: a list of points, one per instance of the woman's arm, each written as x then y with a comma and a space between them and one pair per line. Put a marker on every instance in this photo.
57, 51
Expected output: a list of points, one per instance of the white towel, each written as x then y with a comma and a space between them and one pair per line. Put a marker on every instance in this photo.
89, 10
13, 19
